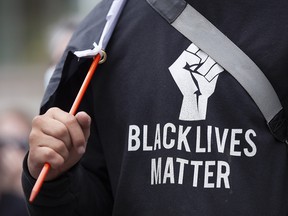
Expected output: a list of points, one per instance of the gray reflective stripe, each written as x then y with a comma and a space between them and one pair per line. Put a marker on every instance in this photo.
207, 37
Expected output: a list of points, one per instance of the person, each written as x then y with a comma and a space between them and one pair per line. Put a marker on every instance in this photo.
163, 129
14, 131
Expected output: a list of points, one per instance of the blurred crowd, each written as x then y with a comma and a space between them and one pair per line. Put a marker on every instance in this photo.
15, 123
15, 126
14, 131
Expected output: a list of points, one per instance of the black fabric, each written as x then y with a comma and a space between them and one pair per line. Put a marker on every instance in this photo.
241, 16
69, 84
259, 28
170, 9
146, 157
279, 126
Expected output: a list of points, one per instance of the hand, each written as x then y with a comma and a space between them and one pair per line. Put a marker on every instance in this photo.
59, 138
196, 74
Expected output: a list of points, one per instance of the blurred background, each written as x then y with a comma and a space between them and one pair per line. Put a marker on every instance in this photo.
33, 35
25, 34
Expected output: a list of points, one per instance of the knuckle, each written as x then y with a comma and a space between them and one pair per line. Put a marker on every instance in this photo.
79, 141
53, 109
37, 120
70, 120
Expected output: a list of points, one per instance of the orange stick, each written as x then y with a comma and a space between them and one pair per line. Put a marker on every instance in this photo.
41, 178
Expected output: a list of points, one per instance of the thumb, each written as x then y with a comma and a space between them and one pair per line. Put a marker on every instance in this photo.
84, 121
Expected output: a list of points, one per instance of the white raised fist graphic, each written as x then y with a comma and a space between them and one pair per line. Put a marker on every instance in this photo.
196, 74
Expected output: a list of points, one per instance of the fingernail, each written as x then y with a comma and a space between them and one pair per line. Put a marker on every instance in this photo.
81, 150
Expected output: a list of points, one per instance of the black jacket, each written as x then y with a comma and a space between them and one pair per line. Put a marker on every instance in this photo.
168, 141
